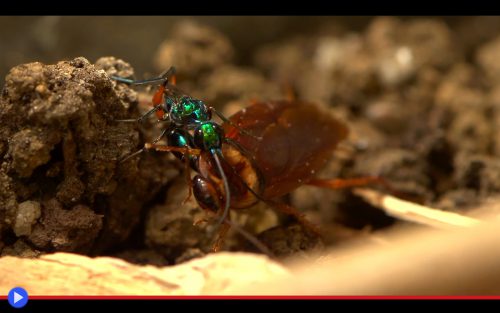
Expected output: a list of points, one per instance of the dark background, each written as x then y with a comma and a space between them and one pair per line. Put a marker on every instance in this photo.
49, 39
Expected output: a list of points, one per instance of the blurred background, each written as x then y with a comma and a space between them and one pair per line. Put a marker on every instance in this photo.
135, 39
421, 97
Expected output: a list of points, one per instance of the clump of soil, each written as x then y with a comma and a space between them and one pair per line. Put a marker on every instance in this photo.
421, 101
63, 187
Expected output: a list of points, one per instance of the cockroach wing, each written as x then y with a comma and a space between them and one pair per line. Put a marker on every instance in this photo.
296, 140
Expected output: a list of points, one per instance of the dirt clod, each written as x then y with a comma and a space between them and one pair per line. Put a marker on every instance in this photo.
289, 241
27, 214
63, 188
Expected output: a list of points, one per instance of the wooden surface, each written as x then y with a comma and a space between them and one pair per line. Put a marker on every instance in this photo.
71, 274
420, 262
408, 261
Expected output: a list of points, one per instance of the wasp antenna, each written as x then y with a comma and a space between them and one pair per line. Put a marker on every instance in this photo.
226, 187
226, 120
166, 74
162, 79
251, 238
122, 79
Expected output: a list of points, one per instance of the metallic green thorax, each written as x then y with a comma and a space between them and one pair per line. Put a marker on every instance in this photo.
189, 110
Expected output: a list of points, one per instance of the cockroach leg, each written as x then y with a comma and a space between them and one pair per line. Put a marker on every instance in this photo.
301, 218
341, 183
223, 229
289, 92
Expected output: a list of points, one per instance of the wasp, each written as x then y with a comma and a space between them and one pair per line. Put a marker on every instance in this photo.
260, 153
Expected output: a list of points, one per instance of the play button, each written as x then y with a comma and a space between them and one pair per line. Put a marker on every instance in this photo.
18, 297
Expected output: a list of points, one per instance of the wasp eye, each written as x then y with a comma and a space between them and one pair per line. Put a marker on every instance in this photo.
169, 102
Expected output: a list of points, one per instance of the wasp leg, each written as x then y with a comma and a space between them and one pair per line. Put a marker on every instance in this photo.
142, 117
141, 150
164, 148
187, 171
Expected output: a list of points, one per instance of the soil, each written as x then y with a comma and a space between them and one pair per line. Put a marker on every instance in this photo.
420, 98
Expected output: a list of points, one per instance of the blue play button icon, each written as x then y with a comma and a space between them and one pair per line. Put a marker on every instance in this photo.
18, 297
